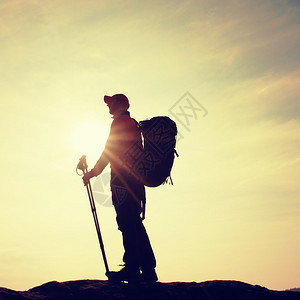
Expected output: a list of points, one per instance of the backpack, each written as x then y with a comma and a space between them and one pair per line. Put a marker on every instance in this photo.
151, 162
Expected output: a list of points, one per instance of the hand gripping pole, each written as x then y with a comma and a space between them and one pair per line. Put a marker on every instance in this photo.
82, 165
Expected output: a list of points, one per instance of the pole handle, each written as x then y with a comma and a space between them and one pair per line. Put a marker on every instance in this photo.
82, 165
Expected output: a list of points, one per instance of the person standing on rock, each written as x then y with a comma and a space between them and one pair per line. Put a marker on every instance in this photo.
128, 194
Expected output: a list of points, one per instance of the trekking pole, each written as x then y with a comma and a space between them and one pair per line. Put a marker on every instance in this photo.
82, 165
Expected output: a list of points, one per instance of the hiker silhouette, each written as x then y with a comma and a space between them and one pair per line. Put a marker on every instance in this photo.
128, 194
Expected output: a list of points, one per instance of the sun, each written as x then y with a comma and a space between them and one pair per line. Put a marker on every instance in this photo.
89, 137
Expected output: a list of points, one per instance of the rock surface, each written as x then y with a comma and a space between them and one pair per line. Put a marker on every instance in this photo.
100, 289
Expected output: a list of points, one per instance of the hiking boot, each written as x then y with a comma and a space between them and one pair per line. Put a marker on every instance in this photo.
149, 275
125, 274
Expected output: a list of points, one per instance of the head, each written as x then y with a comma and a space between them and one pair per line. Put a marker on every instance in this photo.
116, 103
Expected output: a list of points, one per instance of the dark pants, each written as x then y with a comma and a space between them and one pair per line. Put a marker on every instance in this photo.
138, 250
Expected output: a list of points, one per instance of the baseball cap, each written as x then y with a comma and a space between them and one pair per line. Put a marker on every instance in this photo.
120, 98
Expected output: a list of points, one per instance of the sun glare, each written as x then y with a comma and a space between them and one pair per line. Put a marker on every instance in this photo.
89, 137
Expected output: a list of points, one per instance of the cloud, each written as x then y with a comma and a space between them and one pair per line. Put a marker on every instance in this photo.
247, 39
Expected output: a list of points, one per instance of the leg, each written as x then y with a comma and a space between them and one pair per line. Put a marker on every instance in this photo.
146, 255
128, 220
127, 223
138, 253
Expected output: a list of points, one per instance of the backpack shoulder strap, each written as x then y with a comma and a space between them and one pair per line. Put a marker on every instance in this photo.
138, 125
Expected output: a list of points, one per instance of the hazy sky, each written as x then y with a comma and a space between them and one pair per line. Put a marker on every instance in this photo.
234, 210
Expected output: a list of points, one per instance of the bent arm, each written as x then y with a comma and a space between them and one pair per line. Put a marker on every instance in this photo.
104, 160
109, 151
97, 170
100, 165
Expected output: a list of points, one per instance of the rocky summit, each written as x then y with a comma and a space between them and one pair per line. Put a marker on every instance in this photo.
105, 290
